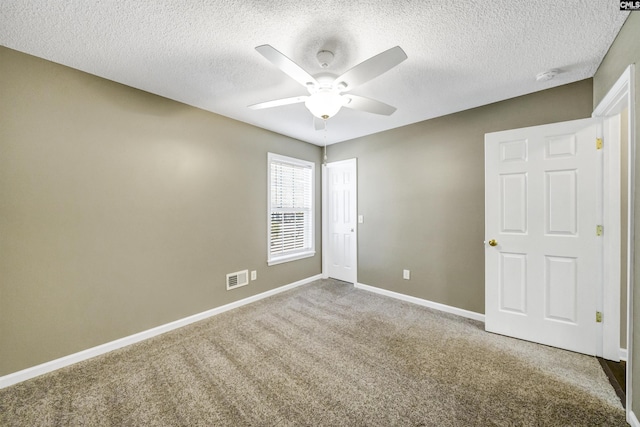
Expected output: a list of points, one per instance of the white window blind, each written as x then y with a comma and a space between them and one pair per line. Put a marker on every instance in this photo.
291, 195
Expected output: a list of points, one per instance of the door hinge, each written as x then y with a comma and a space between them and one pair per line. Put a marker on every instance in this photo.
598, 143
599, 230
598, 317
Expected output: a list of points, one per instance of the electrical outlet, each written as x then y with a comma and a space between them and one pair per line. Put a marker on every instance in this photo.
254, 275
360, 219
406, 274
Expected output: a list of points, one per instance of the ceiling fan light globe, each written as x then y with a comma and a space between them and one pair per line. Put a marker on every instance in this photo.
324, 104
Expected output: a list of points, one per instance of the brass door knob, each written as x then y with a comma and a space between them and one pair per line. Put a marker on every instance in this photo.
493, 242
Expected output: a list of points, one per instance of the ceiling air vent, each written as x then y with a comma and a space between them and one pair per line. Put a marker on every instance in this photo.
237, 279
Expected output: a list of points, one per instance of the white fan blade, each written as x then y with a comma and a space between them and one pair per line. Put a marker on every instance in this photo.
372, 68
278, 102
369, 105
289, 67
319, 124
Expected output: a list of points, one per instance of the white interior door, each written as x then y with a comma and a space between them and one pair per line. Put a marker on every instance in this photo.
542, 253
341, 220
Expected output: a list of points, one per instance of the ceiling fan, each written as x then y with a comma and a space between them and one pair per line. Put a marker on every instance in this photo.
328, 92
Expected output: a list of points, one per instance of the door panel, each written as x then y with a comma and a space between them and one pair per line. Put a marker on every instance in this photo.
513, 281
514, 203
561, 207
540, 207
561, 288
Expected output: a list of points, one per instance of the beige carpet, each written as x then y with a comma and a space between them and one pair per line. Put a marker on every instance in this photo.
324, 354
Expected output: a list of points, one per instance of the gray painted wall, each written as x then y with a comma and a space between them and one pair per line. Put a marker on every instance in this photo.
121, 210
624, 51
421, 191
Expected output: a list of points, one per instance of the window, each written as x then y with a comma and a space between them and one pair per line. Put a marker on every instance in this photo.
290, 211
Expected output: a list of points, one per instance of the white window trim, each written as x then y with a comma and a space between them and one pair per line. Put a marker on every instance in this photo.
305, 253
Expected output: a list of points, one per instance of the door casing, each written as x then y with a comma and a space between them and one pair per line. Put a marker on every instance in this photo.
620, 97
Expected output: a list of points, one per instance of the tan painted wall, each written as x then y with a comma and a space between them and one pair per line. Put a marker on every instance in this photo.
624, 51
121, 210
421, 191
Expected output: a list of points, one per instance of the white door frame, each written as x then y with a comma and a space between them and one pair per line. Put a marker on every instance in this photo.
325, 223
619, 97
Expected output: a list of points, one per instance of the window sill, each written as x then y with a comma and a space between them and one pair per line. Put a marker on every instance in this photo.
292, 257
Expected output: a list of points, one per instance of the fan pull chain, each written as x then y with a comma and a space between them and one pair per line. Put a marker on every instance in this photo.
325, 142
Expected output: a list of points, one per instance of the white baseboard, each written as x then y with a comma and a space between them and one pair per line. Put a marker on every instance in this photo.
426, 303
53, 365
623, 354
633, 420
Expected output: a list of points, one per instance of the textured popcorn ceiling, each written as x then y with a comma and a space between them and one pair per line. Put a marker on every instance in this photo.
462, 54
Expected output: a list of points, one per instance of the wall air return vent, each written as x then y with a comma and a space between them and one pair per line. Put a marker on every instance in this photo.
237, 279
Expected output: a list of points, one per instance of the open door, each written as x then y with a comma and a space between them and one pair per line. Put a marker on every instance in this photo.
543, 248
